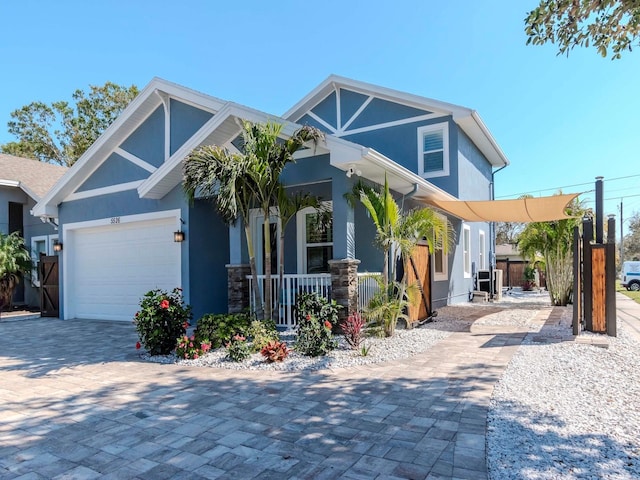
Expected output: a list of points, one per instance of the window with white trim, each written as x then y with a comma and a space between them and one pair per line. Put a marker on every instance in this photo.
315, 239
433, 150
40, 245
466, 250
440, 260
482, 251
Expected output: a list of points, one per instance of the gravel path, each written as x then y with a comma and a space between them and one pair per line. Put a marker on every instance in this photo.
567, 411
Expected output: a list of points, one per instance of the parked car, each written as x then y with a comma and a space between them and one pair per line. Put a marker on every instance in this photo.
631, 275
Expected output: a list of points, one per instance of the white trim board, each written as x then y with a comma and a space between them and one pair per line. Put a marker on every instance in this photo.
95, 192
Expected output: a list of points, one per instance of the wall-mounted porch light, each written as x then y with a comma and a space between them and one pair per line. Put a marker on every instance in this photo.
178, 236
57, 247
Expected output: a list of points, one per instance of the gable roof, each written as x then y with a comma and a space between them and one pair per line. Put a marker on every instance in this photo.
35, 178
469, 120
147, 101
221, 128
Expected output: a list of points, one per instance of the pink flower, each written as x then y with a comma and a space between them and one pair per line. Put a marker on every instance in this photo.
327, 324
191, 344
308, 317
195, 355
137, 314
164, 304
138, 345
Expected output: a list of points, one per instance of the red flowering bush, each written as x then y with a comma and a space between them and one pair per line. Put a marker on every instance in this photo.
190, 348
162, 318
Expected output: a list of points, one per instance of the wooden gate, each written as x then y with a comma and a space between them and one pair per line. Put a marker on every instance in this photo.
420, 273
49, 288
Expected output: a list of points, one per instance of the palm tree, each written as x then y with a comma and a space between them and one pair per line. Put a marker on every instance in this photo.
268, 156
554, 241
402, 231
239, 182
384, 212
14, 261
213, 172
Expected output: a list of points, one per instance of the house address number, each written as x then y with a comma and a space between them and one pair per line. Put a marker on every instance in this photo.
115, 220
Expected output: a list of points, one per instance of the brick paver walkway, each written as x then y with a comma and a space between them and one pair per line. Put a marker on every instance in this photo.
75, 402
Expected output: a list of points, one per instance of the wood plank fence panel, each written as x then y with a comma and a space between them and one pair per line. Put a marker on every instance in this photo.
598, 294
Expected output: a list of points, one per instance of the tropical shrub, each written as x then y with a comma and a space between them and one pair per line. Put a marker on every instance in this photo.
353, 329
388, 305
275, 351
261, 333
314, 337
190, 348
161, 319
317, 306
238, 349
220, 328
14, 261
529, 278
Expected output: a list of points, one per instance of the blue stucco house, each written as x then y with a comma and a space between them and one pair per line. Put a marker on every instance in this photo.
119, 206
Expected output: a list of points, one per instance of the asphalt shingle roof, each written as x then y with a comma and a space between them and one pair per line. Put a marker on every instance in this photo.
37, 177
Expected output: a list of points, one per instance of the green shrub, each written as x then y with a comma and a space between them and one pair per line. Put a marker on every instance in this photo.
317, 306
238, 349
220, 328
314, 338
262, 333
190, 348
162, 318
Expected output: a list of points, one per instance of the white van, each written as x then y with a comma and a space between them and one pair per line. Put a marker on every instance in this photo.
631, 275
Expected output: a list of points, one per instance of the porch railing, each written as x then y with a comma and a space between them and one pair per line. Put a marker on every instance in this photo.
367, 288
295, 284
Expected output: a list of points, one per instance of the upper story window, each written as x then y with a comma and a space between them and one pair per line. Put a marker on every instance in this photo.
433, 150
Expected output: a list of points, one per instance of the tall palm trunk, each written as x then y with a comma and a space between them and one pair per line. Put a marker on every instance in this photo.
267, 267
257, 296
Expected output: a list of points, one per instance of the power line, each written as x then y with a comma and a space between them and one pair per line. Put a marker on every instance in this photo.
567, 186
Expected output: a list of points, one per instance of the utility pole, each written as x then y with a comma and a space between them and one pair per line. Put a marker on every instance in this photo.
621, 236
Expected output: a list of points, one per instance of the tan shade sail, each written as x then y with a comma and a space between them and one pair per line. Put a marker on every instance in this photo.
540, 209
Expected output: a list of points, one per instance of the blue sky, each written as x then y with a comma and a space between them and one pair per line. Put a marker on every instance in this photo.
561, 121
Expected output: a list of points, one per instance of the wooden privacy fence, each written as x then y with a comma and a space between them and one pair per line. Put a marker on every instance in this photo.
513, 273
594, 301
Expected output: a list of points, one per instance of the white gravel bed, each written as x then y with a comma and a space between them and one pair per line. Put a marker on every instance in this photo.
567, 411
404, 344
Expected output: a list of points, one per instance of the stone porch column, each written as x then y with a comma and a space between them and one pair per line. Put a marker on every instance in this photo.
344, 285
238, 287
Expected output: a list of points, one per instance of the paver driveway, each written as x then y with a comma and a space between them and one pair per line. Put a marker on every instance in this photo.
76, 402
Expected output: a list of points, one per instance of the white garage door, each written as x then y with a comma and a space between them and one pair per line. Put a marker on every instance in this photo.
109, 268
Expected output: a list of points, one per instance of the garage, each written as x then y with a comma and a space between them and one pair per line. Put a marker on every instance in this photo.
109, 265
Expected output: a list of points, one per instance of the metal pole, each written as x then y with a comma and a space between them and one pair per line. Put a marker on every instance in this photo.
599, 208
621, 236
